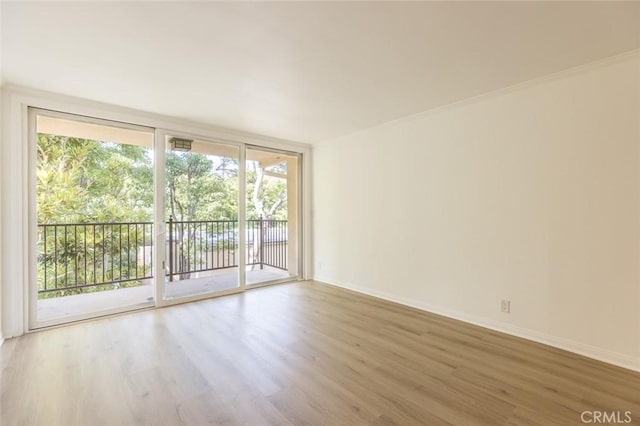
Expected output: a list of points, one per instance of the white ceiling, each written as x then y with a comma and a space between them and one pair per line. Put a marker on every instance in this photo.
298, 70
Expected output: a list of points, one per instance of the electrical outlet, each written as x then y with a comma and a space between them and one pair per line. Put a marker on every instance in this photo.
505, 306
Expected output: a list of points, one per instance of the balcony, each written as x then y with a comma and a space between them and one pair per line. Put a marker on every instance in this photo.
86, 268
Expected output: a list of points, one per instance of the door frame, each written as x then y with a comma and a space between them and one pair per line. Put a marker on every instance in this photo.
17, 207
160, 220
32, 284
300, 216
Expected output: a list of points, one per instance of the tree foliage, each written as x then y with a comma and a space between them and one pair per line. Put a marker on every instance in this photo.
86, 181
80, 180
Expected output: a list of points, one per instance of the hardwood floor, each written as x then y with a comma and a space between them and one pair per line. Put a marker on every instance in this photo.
303, 353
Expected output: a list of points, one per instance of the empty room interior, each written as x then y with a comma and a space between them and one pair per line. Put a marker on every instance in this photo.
319, 213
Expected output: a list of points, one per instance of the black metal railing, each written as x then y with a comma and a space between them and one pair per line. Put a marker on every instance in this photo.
75, 256
197, 246
267, 243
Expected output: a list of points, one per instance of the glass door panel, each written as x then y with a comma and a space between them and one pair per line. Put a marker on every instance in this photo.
201, 218
272, 215
94, 213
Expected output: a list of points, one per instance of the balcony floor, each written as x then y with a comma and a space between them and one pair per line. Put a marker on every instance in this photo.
70, 307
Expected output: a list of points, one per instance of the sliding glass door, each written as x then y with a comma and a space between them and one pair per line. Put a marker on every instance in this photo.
201, 218
93, 232
273, 209
127, 217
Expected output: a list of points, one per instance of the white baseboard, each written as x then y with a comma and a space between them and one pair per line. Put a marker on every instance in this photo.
604, 355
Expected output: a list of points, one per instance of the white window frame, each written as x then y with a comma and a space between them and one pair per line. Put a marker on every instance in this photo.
18, 208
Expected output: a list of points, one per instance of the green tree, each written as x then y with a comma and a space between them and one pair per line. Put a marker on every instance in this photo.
268, 195
197, 190
81, 181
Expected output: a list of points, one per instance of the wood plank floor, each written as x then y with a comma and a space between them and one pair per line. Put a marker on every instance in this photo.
295, 354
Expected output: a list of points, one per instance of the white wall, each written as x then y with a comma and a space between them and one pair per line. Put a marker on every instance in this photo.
1, 335
1, 82
530, 194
